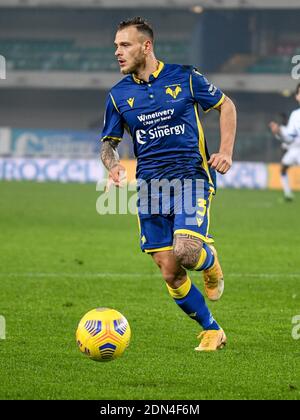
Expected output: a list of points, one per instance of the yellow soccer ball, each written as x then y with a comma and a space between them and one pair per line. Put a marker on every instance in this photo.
103, 334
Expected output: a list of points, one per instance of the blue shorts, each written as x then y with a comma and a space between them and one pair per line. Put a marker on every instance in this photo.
186, 211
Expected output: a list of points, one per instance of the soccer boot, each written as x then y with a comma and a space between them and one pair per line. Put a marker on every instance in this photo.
214, 279
211, 340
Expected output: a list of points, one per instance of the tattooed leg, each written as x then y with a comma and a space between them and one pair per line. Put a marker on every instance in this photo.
187, 249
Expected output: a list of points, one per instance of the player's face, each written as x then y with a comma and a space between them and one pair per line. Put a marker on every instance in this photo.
130, 50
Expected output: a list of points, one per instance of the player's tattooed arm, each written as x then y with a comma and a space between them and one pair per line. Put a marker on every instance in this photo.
187, 250
109, 154
111, 160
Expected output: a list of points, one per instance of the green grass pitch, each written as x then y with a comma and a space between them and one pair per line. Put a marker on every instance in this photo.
59, 259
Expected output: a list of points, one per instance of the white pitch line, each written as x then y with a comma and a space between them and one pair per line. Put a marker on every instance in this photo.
263, 275
148, 275
77, 275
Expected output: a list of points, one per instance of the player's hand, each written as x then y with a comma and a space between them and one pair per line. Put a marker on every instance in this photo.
221, 162
116, 176
274, 127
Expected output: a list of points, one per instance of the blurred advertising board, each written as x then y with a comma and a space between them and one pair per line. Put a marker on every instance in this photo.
44, 170
48, 143
249, 175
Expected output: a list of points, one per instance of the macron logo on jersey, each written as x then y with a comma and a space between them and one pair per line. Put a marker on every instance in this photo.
156, 133
130, 102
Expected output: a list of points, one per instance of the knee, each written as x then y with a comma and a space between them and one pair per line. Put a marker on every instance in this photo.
173, 279
172, 274
187, 252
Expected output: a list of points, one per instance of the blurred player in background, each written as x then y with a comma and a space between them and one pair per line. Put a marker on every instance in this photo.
289, 135
157, 103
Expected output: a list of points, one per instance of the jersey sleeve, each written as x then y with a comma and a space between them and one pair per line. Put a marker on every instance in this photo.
113, 125
205, 93
289, 132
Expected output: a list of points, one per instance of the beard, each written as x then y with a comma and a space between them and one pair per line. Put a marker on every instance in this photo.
138, 63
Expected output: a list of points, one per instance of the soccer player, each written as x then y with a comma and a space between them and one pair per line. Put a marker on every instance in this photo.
289, 135
157, 104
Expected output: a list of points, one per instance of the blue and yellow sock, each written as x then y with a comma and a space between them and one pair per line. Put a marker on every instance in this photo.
206, 259
192, 302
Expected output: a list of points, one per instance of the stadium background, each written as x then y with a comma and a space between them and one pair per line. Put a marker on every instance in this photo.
56, 251
60, 65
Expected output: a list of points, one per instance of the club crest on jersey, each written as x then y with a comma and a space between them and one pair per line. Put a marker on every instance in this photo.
130, 102
173, 92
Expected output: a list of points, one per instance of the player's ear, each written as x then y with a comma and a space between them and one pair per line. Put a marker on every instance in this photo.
147, 46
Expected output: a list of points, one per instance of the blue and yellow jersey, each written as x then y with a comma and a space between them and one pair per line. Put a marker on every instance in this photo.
162, 117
